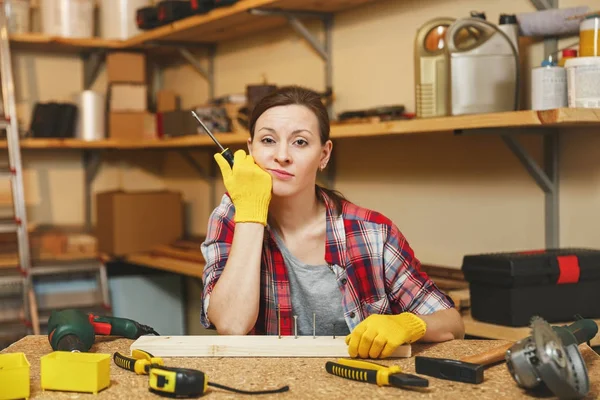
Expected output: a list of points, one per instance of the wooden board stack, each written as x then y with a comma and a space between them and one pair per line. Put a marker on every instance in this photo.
249, 346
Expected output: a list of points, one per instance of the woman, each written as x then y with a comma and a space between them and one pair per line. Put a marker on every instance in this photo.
286, 256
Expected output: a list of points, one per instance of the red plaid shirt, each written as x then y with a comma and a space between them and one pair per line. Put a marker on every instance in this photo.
376, 270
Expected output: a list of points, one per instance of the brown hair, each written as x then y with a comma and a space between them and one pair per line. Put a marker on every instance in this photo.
287, 95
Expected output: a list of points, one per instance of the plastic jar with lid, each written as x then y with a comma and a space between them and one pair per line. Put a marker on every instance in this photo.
566, 54
589, 36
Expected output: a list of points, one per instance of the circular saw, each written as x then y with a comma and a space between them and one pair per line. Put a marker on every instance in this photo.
544, 359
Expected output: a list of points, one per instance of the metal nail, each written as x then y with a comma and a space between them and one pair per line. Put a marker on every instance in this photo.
296, 326
314, 327
279, 322
334, 330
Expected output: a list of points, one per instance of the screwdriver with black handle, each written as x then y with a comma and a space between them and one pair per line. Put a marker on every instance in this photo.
226, 153
364, 371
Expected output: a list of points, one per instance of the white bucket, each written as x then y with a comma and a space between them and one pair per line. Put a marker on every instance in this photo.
583, 82
68, 18
118, 18
17, 14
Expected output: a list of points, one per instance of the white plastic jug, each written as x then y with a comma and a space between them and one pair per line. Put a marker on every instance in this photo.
483, 68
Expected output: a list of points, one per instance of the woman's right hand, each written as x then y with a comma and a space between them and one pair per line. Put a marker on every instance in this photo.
248, 185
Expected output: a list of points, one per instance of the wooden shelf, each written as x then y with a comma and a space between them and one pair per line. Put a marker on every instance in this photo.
38, 42
183, 267
218, 25
235, 21
563, 117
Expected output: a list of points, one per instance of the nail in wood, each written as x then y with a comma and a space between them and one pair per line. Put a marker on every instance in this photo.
334, 330
296, 326
314, 327
278, 321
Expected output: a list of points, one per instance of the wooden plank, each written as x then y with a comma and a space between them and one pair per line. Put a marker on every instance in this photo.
167, 264
514, 119
38, 42
191, 255
249, 346
564, 117
235, 21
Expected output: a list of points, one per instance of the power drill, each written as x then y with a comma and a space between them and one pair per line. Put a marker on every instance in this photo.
74, 330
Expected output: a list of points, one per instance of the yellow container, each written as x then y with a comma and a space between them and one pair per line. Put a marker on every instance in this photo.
589, 36
75, 372
14, 376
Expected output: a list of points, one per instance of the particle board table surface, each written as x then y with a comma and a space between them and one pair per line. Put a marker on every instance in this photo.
306, 377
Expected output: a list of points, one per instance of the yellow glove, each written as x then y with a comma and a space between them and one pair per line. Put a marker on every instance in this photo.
379, 335
249, 187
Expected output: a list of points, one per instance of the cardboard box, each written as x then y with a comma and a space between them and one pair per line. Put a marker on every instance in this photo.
166, 100
134, 125
128, 97
126, 67
129, 222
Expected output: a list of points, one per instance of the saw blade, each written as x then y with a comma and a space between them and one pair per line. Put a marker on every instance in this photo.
561, 368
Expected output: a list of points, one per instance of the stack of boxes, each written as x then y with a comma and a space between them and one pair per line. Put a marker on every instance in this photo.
127, 96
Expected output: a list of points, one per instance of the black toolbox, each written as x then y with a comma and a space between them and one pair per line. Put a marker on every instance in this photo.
557, 284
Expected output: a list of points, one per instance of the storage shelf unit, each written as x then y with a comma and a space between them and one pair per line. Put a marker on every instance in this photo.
527, 119
216, 26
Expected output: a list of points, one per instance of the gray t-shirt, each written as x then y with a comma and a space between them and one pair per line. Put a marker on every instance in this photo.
314, 289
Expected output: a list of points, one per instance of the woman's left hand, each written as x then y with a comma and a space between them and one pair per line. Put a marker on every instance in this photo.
379, 335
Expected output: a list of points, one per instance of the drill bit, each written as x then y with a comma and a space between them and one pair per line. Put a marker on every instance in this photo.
314, 327
334, 330
296, 326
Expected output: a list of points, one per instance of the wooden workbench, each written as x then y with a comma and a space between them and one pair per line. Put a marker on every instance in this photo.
306, 377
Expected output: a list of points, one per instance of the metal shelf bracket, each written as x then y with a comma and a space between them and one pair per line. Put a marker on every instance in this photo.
208, 72
546, 176
92, 161
92, 62
322, 48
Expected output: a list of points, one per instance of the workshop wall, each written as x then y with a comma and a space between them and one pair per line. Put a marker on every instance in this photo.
449, 195
471, 195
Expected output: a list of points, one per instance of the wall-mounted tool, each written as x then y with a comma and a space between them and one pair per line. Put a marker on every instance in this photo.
174, 382
431, 68
546, 359
364, 371
226, 153
471, 369
74, 330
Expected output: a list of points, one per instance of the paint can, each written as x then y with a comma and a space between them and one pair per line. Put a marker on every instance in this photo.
118, 18
68, 18
583, 80
548, 86
90, 116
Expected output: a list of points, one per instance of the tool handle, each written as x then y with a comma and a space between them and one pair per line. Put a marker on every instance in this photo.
124, 361
361, 364
584, 330
119, 327
489, 357
355, 374
227, 155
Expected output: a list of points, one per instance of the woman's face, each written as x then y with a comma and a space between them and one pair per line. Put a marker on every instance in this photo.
287, 144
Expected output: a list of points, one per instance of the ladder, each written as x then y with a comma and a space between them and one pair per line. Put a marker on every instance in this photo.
14, 172
10, 282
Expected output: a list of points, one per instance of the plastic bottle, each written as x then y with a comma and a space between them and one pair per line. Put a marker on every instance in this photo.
548, 86
566, 54
589, 36
508, 24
